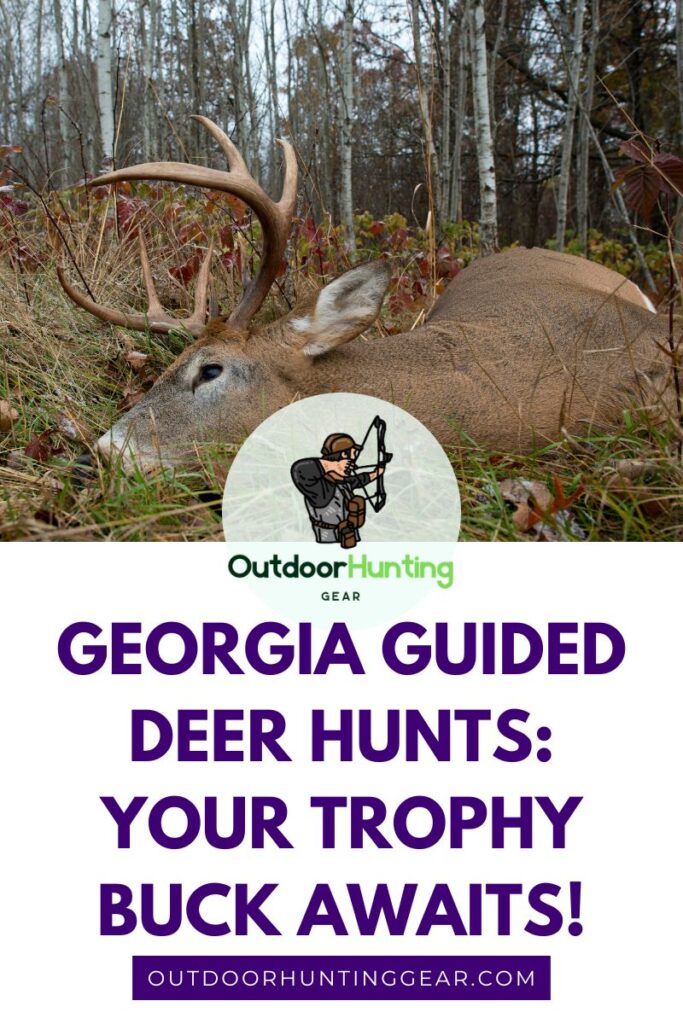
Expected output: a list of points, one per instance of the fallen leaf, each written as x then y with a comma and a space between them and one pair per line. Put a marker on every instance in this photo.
40, 448
126, 340
635, 470
136, 360
538, 511
8, 416
131, 397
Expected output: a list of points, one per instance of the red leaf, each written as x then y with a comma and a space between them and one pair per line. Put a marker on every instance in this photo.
377, 227
126, 210
642, 185
186, 271
15, 206
639, 148
670, 168
40, 447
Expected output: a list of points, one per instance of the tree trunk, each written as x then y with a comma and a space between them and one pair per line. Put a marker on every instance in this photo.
347, 127
583, 136
455, 211
430, 154
502, 21
488, 218
447, 102
573, 78
38, 97
325, 134
63, 89
146, 43
104, 83
679, 64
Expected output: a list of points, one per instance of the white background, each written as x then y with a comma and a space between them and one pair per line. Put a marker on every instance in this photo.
615, 741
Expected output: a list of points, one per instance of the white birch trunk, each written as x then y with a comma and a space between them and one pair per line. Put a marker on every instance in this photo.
104, 81
459, 126
347, 127
488, 218
147, 44
38, 74
573, 78
63, 86
583, 138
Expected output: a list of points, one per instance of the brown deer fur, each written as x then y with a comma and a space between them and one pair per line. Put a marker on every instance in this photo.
519, 346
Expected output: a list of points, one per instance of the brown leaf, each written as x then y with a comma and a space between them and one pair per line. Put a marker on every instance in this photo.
8, 416
136, 360
635, 470
539, 512
131, 397
40, 449
126, 340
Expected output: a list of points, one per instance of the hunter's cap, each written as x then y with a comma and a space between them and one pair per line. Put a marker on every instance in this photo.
336, 443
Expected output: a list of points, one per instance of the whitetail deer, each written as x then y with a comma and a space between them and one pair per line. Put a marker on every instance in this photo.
519, 345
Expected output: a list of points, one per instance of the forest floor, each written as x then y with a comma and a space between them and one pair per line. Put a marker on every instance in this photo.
64, 379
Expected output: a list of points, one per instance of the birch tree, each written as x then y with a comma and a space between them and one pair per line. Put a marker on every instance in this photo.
104, 81
583, 134
347, 126
455, 202
573, 77
488, 200
63, 83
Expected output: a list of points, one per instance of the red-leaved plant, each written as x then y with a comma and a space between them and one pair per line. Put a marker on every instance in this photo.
654, 179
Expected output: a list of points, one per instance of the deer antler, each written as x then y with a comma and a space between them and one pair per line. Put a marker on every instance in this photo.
156, 319
275, 219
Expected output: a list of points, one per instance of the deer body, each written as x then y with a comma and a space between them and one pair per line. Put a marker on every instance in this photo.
519, 346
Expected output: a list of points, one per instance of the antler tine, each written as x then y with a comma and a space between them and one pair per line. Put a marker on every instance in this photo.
154, 307
275, 217
232, 153
156, 319
198, 318
155, 311
288, 199
134, 321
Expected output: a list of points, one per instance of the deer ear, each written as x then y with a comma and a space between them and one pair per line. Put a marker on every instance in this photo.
342, 309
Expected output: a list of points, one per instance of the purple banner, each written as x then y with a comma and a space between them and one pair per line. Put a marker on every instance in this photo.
341, 977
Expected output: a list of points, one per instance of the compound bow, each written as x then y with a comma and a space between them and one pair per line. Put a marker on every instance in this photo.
379, 499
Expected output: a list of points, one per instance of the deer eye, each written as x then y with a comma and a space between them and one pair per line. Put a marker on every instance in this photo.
210, 372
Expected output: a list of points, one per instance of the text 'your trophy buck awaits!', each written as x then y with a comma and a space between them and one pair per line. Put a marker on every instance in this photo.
519, 347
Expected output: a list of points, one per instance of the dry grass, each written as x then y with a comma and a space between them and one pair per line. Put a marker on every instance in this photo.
62, 372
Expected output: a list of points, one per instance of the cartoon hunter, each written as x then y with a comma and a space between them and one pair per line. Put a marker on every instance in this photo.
327, 484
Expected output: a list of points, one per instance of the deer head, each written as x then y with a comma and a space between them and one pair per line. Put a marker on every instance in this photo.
232, 377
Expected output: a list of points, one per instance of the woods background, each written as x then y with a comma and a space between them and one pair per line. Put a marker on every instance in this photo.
393, 107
